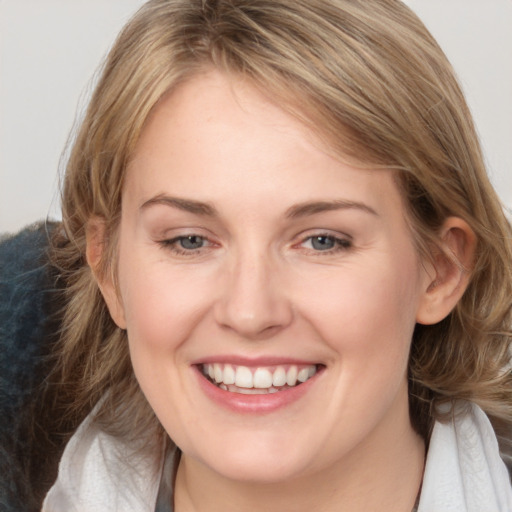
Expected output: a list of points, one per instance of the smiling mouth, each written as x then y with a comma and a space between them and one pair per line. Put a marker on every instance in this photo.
260, 380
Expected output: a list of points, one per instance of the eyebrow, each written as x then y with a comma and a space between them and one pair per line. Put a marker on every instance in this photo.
314, 207
295, 211
187, 205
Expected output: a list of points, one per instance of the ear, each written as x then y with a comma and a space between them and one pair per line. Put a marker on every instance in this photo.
96, 242
448, 276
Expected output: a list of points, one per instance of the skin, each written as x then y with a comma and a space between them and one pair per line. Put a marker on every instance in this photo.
257, 285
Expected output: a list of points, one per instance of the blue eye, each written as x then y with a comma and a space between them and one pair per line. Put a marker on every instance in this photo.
323, 242
187, 245
326, 243
191, 242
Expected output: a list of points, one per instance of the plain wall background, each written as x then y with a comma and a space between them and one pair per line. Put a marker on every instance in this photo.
50, 49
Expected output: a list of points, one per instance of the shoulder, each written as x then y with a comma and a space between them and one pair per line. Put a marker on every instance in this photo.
25, 292
99, 471
25, 286
464, 465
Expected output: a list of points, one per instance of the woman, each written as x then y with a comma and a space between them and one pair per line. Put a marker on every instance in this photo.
288, 278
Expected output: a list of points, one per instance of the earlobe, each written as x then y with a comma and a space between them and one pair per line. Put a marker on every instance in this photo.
451, 271
96, 238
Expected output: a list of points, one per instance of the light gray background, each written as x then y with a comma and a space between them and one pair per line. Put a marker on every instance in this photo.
50, 49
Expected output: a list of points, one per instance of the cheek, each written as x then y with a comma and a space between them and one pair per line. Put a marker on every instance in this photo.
161, 304
160, 315
360, 302
367, 315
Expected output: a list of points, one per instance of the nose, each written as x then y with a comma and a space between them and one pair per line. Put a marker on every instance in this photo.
253, 301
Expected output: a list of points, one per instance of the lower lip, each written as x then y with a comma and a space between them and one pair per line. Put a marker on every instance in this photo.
255, 404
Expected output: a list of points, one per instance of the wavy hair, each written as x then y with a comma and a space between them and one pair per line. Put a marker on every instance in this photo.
371, 80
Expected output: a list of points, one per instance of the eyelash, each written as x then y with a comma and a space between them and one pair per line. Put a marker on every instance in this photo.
172, 244
340, 244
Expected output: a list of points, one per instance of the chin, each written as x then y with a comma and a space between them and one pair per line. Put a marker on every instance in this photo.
269, 470
254, 461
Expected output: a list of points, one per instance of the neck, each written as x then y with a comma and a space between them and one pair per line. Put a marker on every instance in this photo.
376, 476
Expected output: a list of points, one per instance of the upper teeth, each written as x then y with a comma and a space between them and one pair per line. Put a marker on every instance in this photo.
261, 377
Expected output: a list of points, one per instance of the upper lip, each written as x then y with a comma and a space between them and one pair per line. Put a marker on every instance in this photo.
253, 362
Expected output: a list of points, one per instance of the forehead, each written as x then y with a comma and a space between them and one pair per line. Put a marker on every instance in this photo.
216, 137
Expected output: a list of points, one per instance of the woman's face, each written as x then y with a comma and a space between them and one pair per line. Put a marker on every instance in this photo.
250, 254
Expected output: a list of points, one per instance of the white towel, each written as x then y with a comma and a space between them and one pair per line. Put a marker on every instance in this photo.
464, 471
99, 473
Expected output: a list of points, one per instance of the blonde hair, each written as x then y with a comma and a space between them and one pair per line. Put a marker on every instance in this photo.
368, 76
